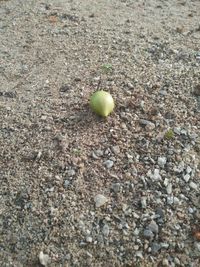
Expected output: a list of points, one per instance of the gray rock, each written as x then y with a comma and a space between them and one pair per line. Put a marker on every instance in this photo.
176, 201
144, 202
115, 149
130, 85
153, 227
170, 200
193, 185
155, 176
163, 92
94, 156
177, 130
148, 234
148, 124
71, 172
155, 247
116, 187
197, 246
164, 245
99, 153
66, 183
108, 163
106, 230
160, 212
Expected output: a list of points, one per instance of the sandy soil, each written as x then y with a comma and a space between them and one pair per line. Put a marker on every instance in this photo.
57, 157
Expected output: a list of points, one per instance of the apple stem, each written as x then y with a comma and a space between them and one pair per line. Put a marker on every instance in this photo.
99, 83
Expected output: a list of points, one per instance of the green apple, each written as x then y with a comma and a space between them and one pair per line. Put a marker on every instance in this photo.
102, 103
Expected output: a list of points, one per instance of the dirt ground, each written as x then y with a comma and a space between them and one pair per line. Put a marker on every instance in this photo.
79, 190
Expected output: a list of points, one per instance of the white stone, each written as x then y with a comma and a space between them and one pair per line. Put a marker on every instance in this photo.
188, 170
44, 258
89, 239
156, 174
162, 161
169, 189
186, 178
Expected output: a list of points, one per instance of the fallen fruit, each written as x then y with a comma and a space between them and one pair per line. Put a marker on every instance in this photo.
102, 103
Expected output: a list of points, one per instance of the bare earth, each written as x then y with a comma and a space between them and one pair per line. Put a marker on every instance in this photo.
79, 190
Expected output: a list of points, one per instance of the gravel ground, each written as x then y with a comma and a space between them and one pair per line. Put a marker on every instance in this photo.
78, 190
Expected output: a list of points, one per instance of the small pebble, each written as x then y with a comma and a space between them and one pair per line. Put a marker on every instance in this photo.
165, 262
115, 150
155, 176
89, 239
186, 178
160, 212
169, 189
180, 167
177, 261
144, 202
153, 227
99, 153
148, 124
162, 161
155, 247
193, 185
170, 200
188, 170
136, 232
100, 200
176, 201
71, 172
116, 187
164, 245
108, 163
190, 210
94, 155
197, 246
148, 234
138, 254
66, 183
106, 230
44, 259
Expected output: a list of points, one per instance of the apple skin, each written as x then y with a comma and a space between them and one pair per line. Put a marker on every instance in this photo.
102, 103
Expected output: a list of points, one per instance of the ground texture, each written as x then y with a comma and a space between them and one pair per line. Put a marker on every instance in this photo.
78, 190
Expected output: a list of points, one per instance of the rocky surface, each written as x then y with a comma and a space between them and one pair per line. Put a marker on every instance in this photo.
78, 190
